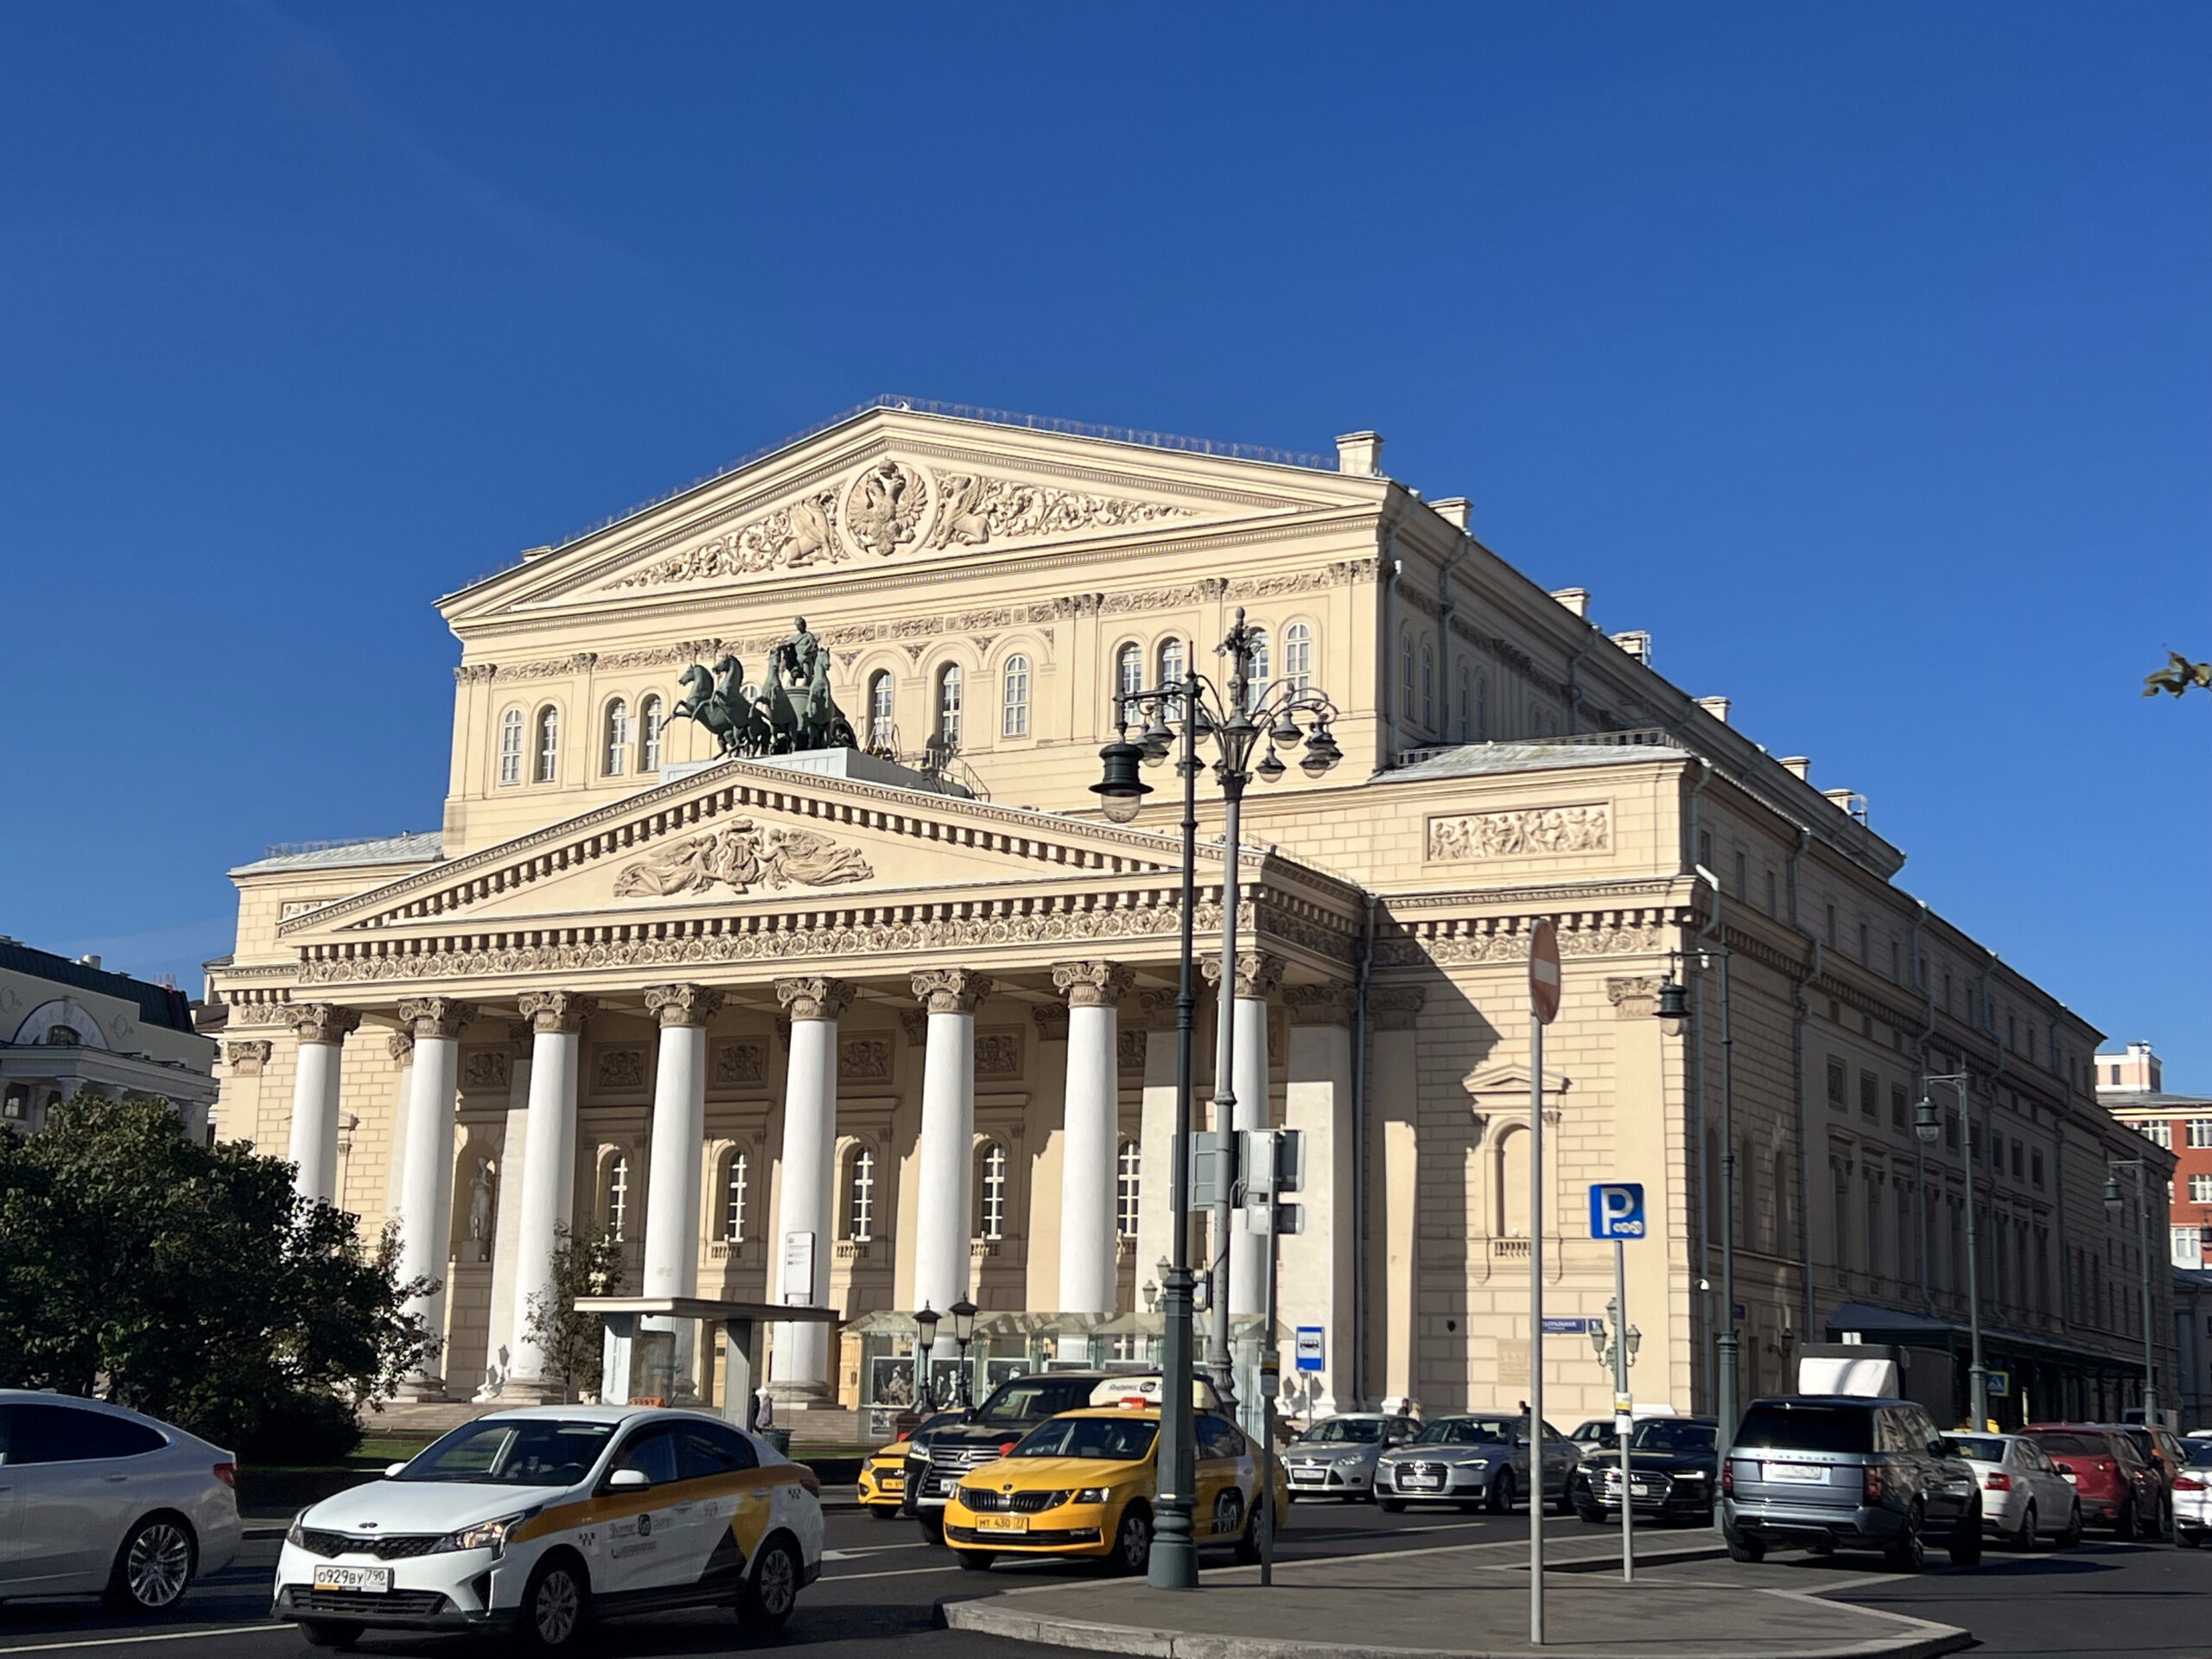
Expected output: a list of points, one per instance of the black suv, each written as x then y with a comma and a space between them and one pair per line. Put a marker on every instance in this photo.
938, 1456
1835, 1472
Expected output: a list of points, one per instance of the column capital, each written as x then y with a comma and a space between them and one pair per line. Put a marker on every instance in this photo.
683, 1005
950, 990
322, 1022
1258, 972
916, 1025
816, 997
1051, 1019
1635, 996
246, 1059
551, 1012
1329, 1003
1396, 1008
1159, 1009
400, 1045
1091, 984
437, 1016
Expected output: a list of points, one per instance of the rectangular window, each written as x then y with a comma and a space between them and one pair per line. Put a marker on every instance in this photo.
1870, 1094
2016, 1160
2158, 1134
2200, 1189
1743, 879
1835, 1082
1896, 970
2200, 1131
2035, 1168
1896, 1106
1770, 908
1128, 1180
1865, 950
1704, 857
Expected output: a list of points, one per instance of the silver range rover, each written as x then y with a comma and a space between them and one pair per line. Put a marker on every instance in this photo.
1335, 1458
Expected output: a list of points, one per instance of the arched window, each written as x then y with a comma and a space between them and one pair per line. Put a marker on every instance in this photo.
1171, 668
948, 704
1128, 679
614, 1202
1428, 687
733, 1176
878, 708
1298, 656
1013, 683
1405, 676
548, 744
1512, 1217
1466, 705
511, 746
1262, 669
651, 716
859, 1196
990, 1191
618, 737
1128, 1170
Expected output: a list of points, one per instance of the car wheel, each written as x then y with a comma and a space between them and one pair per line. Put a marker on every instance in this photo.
2165, 1519
1227, 1516
2024, 1541
974, 1560
1965, 1538
1746, 1549
885, 1512
1591, 1518
933, 1525
1133, 1541
323, 1633
555, 1605
771, 1588
1501, 1494
1247, 1541
1392, 1505
2072, 1538
153, 1568
2187, 1539
2124, 1526
1908, 1551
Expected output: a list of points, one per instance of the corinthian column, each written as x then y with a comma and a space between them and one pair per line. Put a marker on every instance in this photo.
1091, 1138
672, 1177
321, 1027
549, 1176
1257, 975
800, 1272
426, 1198
942, 1168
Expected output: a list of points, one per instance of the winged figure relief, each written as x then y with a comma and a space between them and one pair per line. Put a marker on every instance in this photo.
740, 858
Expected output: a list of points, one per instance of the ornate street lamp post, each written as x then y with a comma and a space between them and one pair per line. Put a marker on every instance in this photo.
1674, 1013
1927, 1125
1186, 712
2114, 1206
925, 1340
964, 1331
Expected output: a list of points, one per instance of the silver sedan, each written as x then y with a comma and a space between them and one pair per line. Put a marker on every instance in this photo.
98, 1500
1335, 1458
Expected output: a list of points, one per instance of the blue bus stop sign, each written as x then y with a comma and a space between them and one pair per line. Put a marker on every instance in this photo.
1617, 1209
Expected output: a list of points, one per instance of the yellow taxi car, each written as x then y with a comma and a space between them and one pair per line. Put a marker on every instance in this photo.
882, 1481
1084, 1484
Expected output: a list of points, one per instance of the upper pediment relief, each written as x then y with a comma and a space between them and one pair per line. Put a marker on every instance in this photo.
893, 508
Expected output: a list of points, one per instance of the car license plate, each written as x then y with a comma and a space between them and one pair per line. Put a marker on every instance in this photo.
2072, 1479
1805, 1474
1420, 1483
1001, 1523
367, 1580
1641, 1489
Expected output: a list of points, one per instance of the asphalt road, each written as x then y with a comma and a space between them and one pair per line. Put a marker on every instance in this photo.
881, 1585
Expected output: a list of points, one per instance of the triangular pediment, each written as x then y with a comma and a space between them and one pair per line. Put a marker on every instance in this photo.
1499, 1087
899, 488
748, 834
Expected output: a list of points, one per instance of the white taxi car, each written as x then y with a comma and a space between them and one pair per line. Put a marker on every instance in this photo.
537, 1521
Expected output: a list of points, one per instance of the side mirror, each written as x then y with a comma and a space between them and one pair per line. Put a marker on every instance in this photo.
626, 1480
392, 1471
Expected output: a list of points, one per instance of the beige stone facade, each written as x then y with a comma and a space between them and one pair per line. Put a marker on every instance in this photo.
780, 995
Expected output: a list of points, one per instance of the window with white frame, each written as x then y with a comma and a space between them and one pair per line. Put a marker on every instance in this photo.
511, 746
948, 704
615, 1202
859, 1196
1128, 679
879, 707
2159, 1132
2200, 1189
1428, 687
1298, 656
1014, 679
734, 1198
990, 1191
548, 744
618, 737
2200, 1131
1263, 669
1171, 669
651, 718
1405, 676
1128, 1170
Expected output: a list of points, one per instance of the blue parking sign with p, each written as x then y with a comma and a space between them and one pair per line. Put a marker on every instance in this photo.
1617, 1209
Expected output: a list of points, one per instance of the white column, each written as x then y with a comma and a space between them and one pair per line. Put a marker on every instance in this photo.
426, 1200
320, 1028
798, 1269
1092, 1135
1256, 975
503, 1320
943, 1164
1394, 1192
401, 1046
1314, 1281
672, 1177
1156, 1218
549, 1175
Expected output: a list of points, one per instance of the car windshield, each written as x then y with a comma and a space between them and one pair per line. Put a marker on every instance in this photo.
1981, 1448
513, 1452
2061, 1444
1468, 1431
1026, 1399
1108, 1439
1345, 1431
1673, 1437
2198, 1453
1783, 1427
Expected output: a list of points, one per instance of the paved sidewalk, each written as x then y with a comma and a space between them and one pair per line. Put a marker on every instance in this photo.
1470, 1601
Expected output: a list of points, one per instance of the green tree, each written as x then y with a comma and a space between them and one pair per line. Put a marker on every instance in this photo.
194, 1282
2178, 676
573, 1342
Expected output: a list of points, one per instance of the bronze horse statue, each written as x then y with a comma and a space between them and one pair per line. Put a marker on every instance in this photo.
748, 720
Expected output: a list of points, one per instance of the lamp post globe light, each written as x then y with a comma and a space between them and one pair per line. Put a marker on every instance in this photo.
1927, 1125
925, 1323
1231, 717
2116, 1206
964, 1331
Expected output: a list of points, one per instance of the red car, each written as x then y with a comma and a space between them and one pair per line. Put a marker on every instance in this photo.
2116, 1487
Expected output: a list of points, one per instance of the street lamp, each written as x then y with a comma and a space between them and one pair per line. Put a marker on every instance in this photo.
1927, 1126
1672, 1011
963, 1328
925, 1340
1192, 709
2114, 1204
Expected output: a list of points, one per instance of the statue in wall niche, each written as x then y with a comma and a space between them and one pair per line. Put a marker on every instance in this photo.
790, 711
481, 1209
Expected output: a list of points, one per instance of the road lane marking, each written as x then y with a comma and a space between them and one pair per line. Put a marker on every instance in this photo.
168, 1636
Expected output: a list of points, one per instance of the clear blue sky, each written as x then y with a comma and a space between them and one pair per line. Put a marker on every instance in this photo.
1858, 352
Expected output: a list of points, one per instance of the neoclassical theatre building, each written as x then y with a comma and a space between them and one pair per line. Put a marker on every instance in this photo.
880, 1026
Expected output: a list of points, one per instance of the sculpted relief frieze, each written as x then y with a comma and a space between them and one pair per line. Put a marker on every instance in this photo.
891, 507
1528, 832
741, 857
